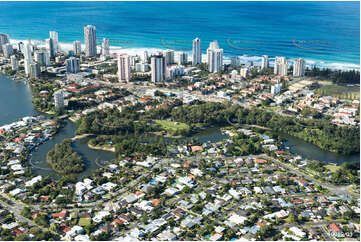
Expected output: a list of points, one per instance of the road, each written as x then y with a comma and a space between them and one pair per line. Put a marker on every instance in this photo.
16, 210
339, 190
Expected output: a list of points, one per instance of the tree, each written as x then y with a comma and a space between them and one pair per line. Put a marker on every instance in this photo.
26, 212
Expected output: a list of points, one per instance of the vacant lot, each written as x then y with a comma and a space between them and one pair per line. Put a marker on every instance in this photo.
342, 92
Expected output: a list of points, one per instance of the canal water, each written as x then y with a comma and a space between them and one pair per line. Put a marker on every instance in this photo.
15, 100
15, 103
93, 159
312, 152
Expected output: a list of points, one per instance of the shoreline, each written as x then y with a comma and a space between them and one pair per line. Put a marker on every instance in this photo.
65, 46
110, 149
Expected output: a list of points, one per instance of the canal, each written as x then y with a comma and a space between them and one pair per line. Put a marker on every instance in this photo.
16, 103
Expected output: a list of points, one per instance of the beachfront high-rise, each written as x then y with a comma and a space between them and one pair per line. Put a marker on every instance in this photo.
182, 58
265, 62
281, 66
90, 41
28, 59
169, 56
299, 67
54, 36
77, 48
145, 56
72, 65
50, 47
124, 68
215, 57
105, 47
197, 52
158, 68
4, 39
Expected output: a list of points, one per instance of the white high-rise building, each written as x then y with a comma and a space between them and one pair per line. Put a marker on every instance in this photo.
105, 47
276, 89
14, 63
141, 67
215, 57
50, 47
54, 36
72, 65
299, 67
281, 66
90, 41
59, 99
7, 50
145, 56
169, 57
265, 63
28, 59
234, 74
124, 68
4, 39
182, 58
158, 68
175, 71
244, 72
77, 48
197, 52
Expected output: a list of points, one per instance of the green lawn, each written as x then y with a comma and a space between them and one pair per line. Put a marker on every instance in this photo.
84, 221
342, 92
173, 127
332, 168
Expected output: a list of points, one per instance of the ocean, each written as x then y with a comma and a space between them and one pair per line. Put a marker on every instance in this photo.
326, 34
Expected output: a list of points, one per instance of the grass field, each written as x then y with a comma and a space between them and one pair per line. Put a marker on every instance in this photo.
173, 127
332, 168
342, 92
84, 221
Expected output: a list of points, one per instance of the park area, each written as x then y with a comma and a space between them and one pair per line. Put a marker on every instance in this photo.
173, 128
